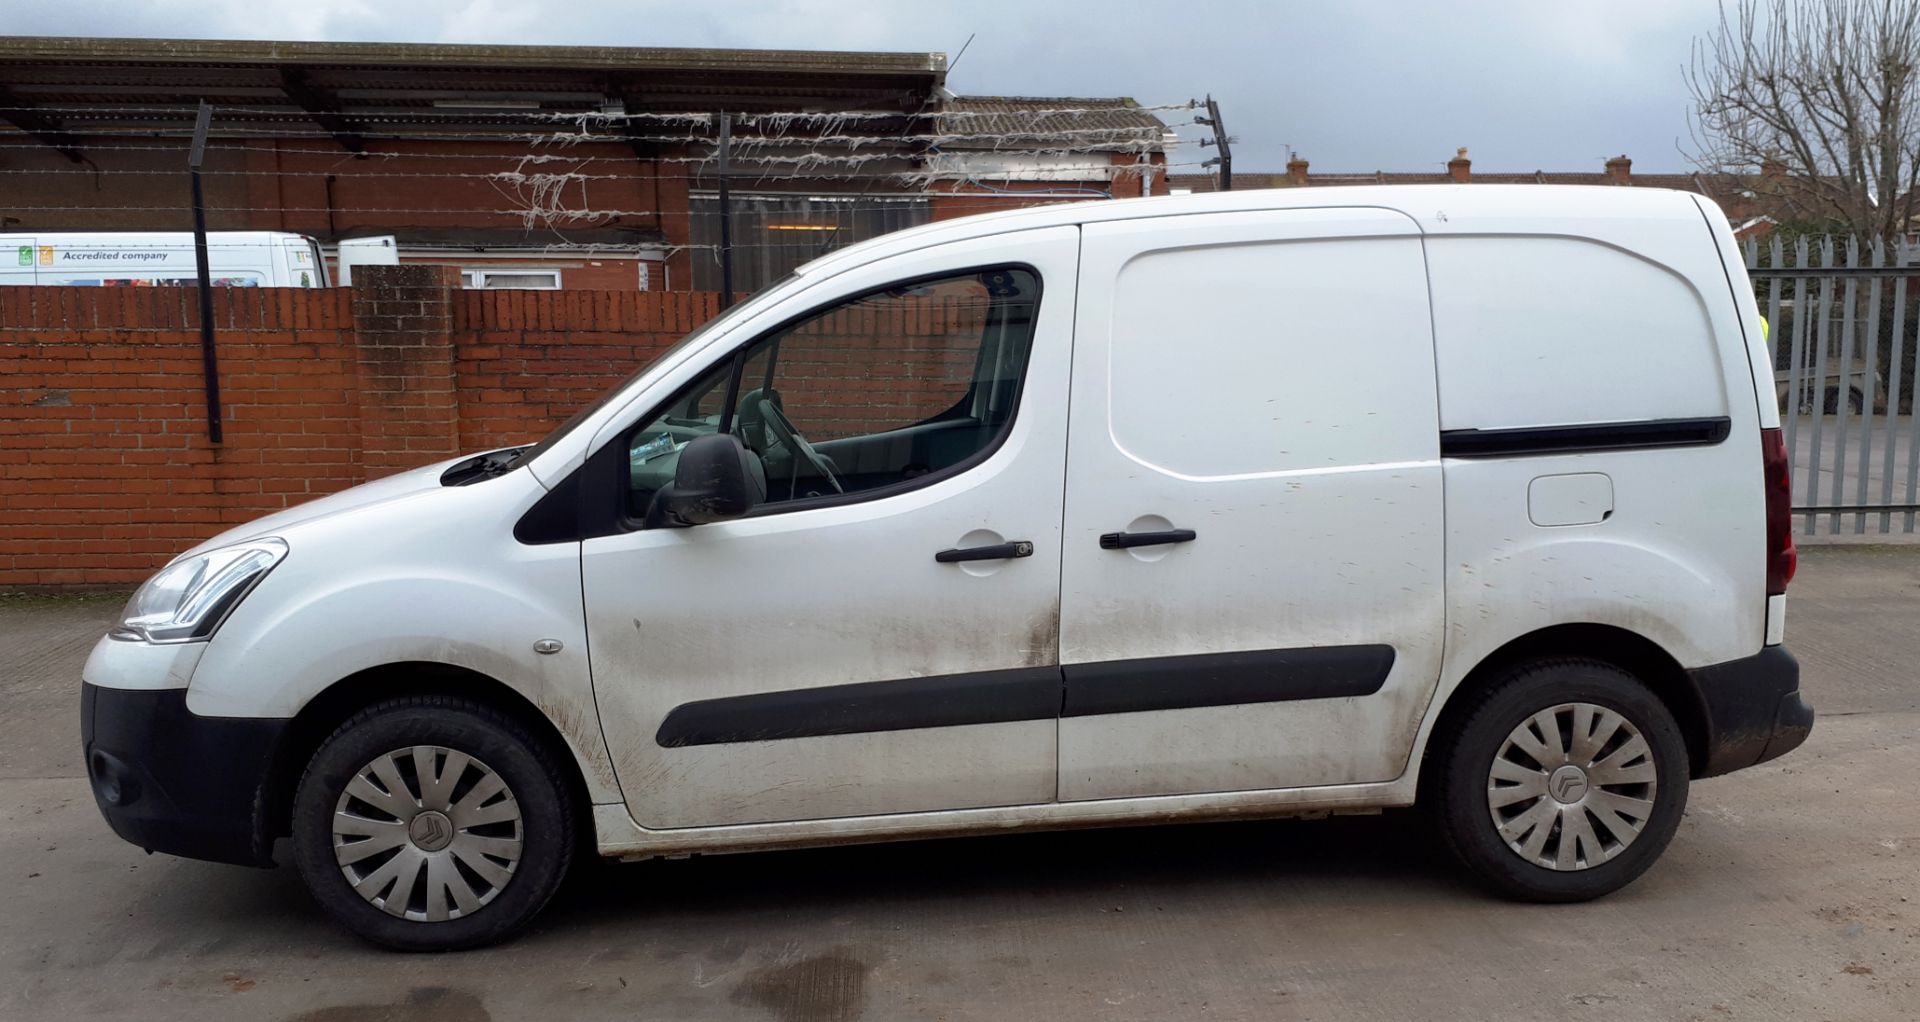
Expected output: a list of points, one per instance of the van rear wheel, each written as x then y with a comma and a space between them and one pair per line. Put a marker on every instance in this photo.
1564, 782
431, 823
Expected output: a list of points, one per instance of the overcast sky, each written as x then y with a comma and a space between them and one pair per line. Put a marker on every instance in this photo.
1352, 85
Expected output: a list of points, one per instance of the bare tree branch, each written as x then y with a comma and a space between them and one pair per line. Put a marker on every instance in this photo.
1822, 97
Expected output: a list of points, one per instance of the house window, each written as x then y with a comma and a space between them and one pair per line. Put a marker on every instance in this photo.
772, 234
519, 280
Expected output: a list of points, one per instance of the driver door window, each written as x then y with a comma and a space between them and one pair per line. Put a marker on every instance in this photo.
877, 393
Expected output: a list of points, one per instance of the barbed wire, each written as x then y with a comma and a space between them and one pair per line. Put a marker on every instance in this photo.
559, 166
481, 211
571, 249
1089, 144
743, 203
478, 250
692, 121
334, 151
802, 160
778, 118
1092, 138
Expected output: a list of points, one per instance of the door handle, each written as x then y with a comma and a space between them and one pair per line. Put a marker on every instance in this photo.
1129, 540
996, 552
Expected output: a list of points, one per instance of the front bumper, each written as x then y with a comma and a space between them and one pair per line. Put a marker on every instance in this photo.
1753, 710
171, 781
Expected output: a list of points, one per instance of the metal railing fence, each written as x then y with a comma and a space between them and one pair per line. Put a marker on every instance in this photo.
1844, 315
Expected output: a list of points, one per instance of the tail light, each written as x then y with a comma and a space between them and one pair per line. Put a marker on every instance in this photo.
1781, 556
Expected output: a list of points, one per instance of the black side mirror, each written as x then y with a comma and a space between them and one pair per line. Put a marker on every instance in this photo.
712, 482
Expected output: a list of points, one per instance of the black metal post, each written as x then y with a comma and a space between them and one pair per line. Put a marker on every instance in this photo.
1223, 143
726, 213
209, 362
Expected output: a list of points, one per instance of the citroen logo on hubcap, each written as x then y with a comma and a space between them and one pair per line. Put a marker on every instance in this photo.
1568, 784
431, 831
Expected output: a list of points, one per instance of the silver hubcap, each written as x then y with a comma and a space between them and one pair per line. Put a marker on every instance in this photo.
1572, 786
427, 833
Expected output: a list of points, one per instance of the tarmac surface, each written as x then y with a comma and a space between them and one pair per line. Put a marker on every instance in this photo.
1791, 892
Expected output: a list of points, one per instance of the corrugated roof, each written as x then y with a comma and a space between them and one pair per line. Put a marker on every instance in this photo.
1029, 122
244, 52
58, 89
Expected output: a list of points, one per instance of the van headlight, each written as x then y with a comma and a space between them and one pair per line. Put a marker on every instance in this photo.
189, 598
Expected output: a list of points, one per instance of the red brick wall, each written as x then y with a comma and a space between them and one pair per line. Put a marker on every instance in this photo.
883, 365
403, 326
106, 471
105, 467
528, 359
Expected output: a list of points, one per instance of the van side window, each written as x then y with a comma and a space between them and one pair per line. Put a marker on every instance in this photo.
878, 392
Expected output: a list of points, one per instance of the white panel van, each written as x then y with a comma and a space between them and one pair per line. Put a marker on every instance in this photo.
160, 259
1255, 504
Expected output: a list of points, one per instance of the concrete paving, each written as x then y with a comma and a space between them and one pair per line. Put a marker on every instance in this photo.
1791, 892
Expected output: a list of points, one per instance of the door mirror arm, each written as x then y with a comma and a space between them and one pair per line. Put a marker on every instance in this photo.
711, 483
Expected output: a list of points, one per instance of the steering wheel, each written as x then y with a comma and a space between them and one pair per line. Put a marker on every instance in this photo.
766, 410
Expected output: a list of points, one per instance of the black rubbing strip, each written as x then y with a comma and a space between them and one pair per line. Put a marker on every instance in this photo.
1031, 693
1226, 679
1587, 438
988, 697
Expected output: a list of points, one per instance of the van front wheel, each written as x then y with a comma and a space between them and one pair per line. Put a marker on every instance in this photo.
431, 823
1564, 783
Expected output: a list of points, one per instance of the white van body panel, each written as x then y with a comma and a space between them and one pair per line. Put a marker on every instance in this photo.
1598, 319
1265, 380
621, 837
1747, 308
847, 595
383, 250
405, 580
425, 479
1658, 567
108, 258
18, 254
1390, 541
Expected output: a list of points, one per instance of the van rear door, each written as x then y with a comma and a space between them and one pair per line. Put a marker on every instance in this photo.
1251, 580
298, 264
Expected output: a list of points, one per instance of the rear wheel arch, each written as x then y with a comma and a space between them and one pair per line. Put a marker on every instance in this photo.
337, 703
1565, 782
1630, 651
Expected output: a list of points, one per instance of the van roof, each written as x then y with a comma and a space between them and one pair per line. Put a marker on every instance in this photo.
150, 237
1437, 209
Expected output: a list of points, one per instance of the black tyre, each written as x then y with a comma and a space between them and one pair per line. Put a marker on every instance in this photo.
1564, 781
431, 823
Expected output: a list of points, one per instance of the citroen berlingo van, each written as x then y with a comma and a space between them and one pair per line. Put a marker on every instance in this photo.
1258, 504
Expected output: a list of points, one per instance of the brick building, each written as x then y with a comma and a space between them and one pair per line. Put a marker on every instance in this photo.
540, 166
1753, 202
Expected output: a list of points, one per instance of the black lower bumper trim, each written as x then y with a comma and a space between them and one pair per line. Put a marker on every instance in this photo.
172, 781
1753, 710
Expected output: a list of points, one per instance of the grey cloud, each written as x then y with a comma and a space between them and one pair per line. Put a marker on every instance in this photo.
1365, 85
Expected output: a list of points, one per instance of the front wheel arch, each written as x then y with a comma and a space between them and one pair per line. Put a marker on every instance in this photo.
337, 703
